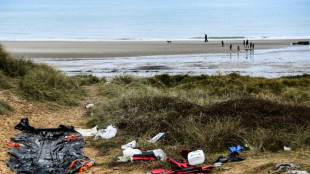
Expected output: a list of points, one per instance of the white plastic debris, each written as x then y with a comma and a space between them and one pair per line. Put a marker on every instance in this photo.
128, 154
132, 144
107, 133
160, 154
286, 148
157, 137
218, 164
88, 132
297, 172
196, 157
89, 106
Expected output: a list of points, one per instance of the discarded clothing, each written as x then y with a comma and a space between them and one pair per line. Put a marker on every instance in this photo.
107, 133
235, 157
88, 132
221, 159
285, 166
55, 150
236, 149
297, 172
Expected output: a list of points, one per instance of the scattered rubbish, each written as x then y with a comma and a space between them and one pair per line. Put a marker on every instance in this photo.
297, 172
84, 167
286, 148
132, 145
178, 163
185, 153
196, 157
128, 154
218, 164
88, 132
221, 159
160, 154
285, 166
107, 133
89, 106
234, 156
183, 166
236, 149
145, 156
10, 143
47, 150
157, 137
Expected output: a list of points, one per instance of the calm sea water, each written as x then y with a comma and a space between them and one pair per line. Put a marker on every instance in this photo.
152, 19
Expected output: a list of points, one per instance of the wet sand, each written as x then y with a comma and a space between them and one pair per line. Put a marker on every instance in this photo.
103, 49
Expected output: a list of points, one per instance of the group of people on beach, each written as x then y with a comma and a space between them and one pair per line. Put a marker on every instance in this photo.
245, 44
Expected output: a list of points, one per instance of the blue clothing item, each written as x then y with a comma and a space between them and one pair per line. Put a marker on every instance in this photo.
236, 149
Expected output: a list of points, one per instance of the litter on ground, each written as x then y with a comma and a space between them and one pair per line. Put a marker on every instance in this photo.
157, 137
285, 166
88, 132
56, 150
107, 133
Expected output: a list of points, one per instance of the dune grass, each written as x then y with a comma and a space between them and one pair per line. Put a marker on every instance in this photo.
4, 107
42, 82
206, 112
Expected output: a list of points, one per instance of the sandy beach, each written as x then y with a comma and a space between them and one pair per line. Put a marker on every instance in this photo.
103, 49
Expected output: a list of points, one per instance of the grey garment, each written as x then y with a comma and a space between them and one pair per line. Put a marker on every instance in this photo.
285, 166
297, 172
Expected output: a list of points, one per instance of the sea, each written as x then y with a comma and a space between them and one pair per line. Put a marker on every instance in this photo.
153, 19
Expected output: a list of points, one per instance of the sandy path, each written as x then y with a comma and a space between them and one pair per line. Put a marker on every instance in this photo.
80, 49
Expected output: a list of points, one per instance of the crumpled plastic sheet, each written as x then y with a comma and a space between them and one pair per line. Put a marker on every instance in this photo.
45, 150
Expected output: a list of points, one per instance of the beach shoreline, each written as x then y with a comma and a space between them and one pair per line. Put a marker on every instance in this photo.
110, 49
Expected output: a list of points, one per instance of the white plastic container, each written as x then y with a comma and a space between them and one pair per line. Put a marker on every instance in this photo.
196, 157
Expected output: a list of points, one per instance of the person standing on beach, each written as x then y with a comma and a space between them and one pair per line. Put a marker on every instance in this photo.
243, 43
206, 38
250, 45
253, 46
222, 43
230, 47
238, 48
247, 43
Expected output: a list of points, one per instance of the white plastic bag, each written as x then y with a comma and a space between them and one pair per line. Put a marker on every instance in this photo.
196, 157
160, 154
88, 132
107, 133
132, 144
128, 154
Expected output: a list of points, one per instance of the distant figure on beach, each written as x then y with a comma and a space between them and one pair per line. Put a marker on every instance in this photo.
222, 43
253, 46
230, 47
243, 43
247, 43
238, 48
250, 45
206, 38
